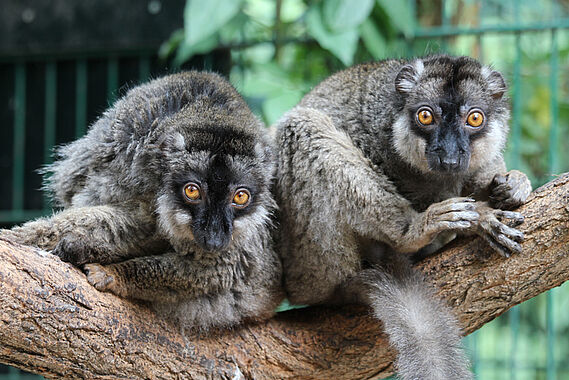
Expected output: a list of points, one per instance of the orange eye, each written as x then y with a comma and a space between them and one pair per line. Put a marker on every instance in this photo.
241, 198
475, 119
192, 192
425, 116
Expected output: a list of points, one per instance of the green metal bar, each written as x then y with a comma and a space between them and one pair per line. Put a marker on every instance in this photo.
516, 136
553, 88
80, 97
50, 109
515, 159
445, 31
514, 317
475, 354
50, 116
208, 62
144, 69
112, 79
479, 37
445, 21
19, 153
553, 168
550, 337
411, 41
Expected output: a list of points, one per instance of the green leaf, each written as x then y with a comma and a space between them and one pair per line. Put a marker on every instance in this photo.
171, 44
267, 79
373, 39
262, 11
231, 31
292, 10
186, 51
274, 107
203, 18
341, 15
342, 44
399, 14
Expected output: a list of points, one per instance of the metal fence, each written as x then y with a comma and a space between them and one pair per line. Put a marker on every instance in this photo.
49, 99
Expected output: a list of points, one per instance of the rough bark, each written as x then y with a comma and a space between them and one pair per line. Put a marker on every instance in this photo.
54, 323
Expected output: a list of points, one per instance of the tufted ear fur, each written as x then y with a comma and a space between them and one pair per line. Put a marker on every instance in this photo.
408, 77
496, 83
175, 141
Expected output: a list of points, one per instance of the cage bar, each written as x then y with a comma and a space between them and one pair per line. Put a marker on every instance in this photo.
80, 97
112, 79
19, 153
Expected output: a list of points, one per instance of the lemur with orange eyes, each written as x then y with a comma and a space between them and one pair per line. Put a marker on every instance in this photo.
384, 161
167, 200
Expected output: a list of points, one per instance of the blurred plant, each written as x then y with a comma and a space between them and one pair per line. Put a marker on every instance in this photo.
269, 38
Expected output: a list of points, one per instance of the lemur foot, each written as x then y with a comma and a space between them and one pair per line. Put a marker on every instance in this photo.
510, 190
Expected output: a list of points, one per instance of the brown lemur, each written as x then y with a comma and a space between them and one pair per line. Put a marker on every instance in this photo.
388, 159
167, 199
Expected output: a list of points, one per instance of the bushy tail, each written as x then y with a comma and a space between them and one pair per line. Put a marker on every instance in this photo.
418, 324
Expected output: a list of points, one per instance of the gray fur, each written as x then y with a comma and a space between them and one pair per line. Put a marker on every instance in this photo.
357, 193
124, 216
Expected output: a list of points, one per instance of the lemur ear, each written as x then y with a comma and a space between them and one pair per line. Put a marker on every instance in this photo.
496, 83
408, 77
161, 141
175, 142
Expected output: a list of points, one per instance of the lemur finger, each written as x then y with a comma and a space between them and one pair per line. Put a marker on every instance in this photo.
458, 225
451, 201
502, 238
498, 180
456, 216
491, 225
453, 204
510, 245
98, 277
500, 229
502, 190
502, 250
514, 218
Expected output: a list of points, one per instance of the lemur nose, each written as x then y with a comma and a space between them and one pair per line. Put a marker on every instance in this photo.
449, 163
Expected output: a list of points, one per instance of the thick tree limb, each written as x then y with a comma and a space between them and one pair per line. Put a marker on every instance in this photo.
54, 323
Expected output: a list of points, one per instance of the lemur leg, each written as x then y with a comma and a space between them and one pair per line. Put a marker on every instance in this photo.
419, 325
102, 234
166, 278
196, 295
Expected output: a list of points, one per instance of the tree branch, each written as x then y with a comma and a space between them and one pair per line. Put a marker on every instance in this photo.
52, 322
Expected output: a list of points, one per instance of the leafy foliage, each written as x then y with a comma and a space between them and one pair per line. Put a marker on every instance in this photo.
324, 36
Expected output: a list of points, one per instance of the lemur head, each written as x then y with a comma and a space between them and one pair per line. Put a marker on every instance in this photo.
218, 169
454, 117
